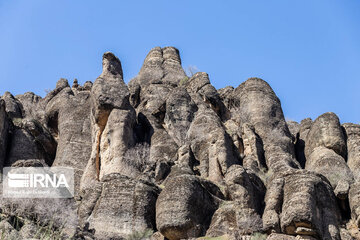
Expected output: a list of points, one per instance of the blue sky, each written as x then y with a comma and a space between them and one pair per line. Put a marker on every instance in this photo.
309, 51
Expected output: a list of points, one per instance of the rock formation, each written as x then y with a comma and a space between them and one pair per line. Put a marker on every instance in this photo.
168, 156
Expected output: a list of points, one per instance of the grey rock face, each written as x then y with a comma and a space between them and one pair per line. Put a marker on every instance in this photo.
151, 96
12, 105
109, 100
325, 151
354, 200
299, 201
180, 111
211, 145
184, 208
326, 162
254, 156
199, 84
294, 128
241, 214
32, 106
170, 157
4, 130
68, 119
30, 140
260, 108
353, 147
116, 138
326, 132
125, 206
161, 65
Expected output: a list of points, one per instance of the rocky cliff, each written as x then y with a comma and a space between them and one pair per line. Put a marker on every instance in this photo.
168, 156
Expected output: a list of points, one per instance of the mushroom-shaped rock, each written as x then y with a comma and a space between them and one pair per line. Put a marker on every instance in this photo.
325, 151
326, 132
299, 202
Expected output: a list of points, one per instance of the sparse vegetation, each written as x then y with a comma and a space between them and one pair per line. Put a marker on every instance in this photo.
191, 70
138, 156
258, 236
183, 81
140, 235
223, 237
50, 216
17, 122
265, 174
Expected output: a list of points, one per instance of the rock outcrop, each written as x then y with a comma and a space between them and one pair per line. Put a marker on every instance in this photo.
4, 131
167, 156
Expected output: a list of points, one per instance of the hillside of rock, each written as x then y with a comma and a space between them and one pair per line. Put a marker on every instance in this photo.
168, 156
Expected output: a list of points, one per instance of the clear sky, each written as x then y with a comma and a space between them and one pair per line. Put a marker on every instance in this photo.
308, 50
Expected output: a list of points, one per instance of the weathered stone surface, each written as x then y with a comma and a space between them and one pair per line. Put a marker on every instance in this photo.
326, 132
109, 90
326, 162
294, 128
254, 156
325, 152
353, 148
30, 140
12, 105
260, 108
301, 202
180, 111
116, 139
151, 96
199, 84
109, 100
32, 106
211, 145
240, 215
184, 208
226, 96
354, 200
161, 65
125, 205
68, 119
278, 236
171, 157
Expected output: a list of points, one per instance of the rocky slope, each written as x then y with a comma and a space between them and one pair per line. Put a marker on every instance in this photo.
168, 156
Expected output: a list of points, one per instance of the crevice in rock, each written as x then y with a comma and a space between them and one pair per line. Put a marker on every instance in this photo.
235, 150
194, 163
260, 152
345, 210
300, 151
143, 129
97, 159
101, 122
345, 139
53, 125
10, 139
